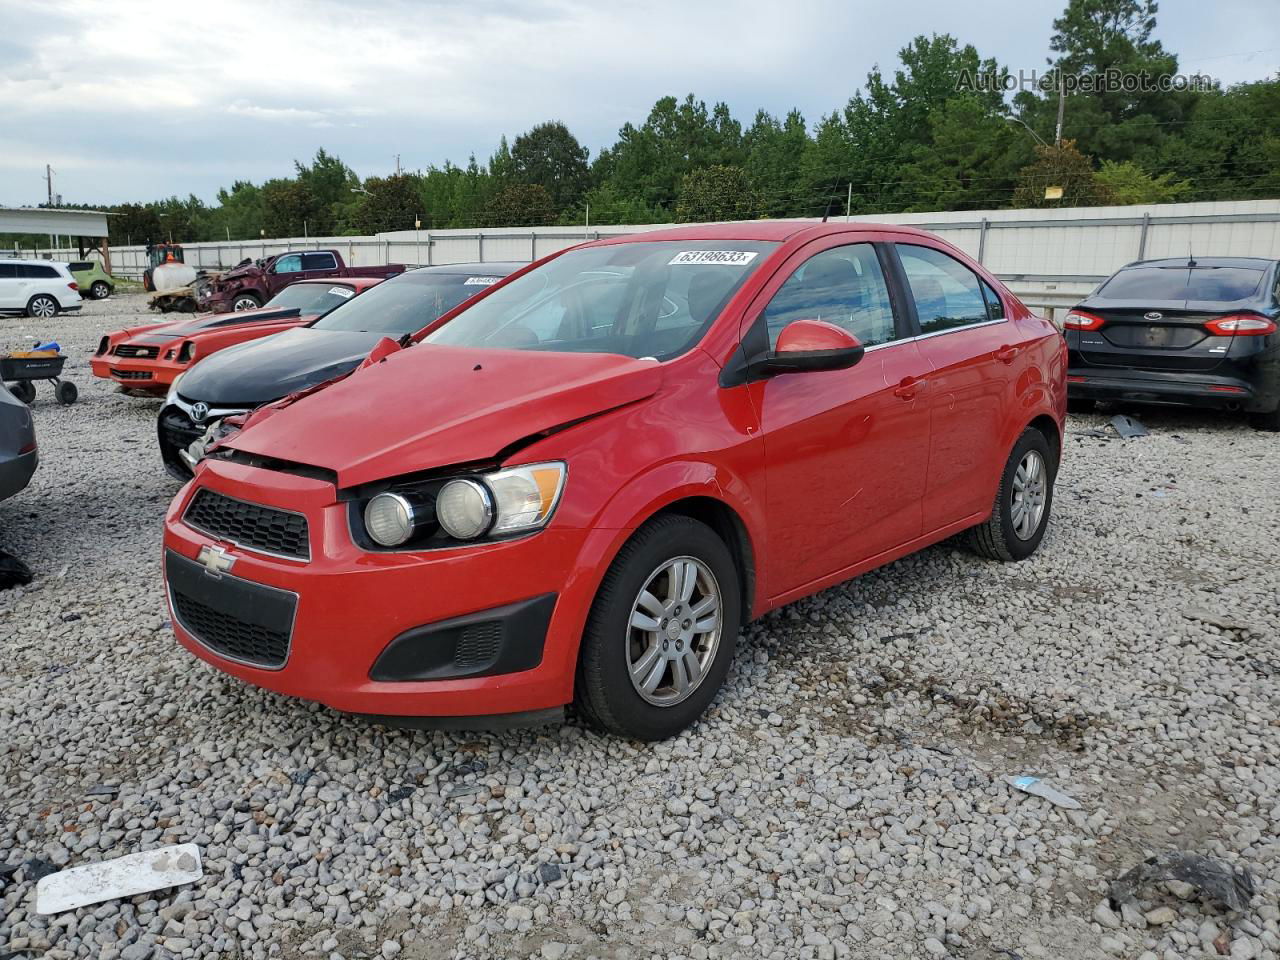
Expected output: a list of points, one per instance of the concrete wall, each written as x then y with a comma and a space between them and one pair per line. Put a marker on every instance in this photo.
1050, 258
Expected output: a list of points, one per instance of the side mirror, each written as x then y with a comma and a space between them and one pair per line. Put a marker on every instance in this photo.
810, 345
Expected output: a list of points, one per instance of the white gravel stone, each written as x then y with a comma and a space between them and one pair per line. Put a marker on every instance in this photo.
850, 773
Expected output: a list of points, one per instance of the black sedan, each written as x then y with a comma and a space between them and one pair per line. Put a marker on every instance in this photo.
240, 378
1199, 332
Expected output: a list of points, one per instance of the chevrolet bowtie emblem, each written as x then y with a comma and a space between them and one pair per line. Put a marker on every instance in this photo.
215, 560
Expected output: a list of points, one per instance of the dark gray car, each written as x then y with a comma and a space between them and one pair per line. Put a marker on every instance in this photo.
243, 377
18, 455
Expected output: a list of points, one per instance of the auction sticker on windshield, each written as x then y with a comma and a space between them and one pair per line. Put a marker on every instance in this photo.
480, 281
341, 291
731, 258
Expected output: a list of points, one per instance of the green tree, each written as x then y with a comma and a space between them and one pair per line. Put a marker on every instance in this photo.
389, 203
774, 158
288, 208
330, 183
1064, 167
552, 158
520, 205
1129, 183
716, 193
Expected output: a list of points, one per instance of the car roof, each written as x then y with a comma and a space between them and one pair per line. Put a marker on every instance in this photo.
40, 263
1251, 263
493, 268
776, 231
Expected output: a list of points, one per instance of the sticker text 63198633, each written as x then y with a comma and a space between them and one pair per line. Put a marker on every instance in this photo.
728, 258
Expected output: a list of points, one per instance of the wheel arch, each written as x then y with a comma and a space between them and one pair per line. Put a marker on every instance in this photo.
729, 527
1048, 426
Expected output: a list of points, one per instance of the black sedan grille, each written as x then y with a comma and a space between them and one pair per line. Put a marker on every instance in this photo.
230, 636
249, 524
133, 350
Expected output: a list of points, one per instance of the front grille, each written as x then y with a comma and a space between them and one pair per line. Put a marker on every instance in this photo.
249, 524
230, 636
131, 374
177, 429
478, 645
132, 350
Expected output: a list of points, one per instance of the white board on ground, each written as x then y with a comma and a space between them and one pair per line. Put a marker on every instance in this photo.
123, 877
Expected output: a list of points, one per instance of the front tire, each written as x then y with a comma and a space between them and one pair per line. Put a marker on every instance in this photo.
661, 633
1020, 514
245, 301
100, 290
42, 306
24, 390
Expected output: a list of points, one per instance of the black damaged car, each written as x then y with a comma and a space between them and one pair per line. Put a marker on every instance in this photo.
1198, 332
243, 377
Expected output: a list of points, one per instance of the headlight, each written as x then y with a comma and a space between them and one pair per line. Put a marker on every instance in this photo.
465, 509
391, 519
187, 352
503, 503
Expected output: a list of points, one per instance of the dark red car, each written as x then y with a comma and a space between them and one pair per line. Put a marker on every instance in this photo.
152, 357
579, 486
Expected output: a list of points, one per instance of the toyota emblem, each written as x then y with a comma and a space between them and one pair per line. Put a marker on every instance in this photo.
1153, 315
199, 411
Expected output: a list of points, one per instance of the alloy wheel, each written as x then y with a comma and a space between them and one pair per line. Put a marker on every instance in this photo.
245, 303
43, 307
674, 631
1030, 489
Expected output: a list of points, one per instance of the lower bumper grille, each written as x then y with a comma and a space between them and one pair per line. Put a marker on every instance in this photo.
131, 374
238, 619
177, 431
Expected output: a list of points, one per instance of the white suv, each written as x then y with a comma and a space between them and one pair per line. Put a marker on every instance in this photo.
37, 288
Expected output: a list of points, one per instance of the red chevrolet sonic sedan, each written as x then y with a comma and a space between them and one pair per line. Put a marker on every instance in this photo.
574, 490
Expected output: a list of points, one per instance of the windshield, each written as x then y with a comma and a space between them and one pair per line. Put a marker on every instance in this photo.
1182, 283
407, 303
311, 297
653, 299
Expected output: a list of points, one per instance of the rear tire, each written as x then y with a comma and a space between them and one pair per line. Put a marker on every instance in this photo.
100, 290
676, 575
42, 306
1020, 514
1268, 422
24, 390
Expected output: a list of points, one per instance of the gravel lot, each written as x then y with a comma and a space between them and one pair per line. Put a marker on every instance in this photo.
845, 797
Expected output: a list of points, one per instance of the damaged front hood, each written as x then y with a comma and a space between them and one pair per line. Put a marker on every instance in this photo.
433, 406
267, 369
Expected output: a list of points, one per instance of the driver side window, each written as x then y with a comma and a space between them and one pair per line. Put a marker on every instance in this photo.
289, 264
844, 286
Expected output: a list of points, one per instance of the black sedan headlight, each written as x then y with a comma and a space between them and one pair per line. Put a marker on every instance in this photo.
504, 503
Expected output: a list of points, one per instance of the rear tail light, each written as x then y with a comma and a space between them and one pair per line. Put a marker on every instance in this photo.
1228, 390
1082, 320
27, 448
73, 286
1241, 325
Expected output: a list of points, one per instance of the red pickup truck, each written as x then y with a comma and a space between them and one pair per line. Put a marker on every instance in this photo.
252, 283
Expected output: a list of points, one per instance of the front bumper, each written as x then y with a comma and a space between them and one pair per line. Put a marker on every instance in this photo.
351, 605
177, 429
16, 471
149, 373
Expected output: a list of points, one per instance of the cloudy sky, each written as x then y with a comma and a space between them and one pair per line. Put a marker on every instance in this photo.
133, 101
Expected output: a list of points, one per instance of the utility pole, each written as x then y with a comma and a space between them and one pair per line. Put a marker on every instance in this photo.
48, 176
587, 229
397, 164
1062, 106
848, 204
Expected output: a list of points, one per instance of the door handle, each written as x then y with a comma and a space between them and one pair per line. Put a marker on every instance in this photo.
1006, 354
908, 388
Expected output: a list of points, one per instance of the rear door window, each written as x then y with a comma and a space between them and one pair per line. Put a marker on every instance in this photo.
319, 261
948, 295
9, 271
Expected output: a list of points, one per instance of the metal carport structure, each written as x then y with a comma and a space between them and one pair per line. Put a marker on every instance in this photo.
89, 227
